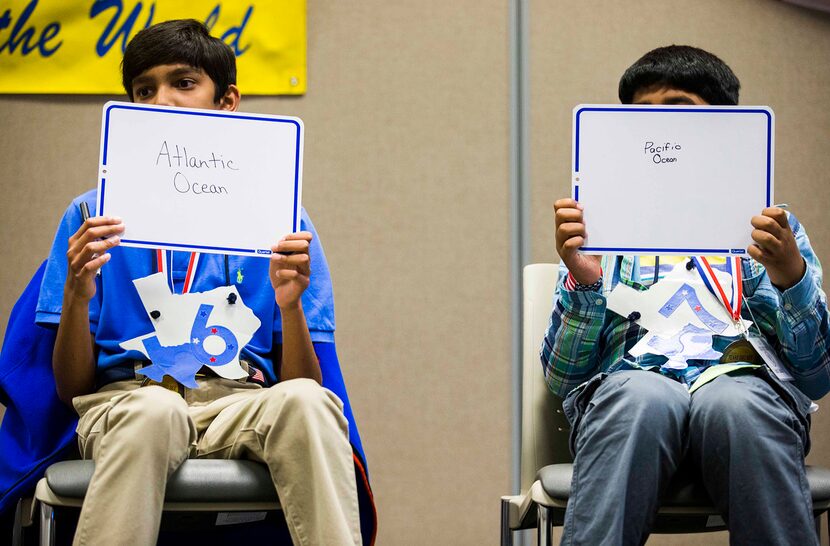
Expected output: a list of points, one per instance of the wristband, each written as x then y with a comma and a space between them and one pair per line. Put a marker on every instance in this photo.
573, 285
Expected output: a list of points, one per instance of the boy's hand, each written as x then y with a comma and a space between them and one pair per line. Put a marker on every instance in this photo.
775, 248
570, 235
290, 268
87, 253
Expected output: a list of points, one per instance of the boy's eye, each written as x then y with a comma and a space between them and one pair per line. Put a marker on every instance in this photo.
186, 83
142, 92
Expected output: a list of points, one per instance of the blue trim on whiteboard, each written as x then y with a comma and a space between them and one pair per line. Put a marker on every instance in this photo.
100, 210
696, 251
216, 114
254, 251
576, 193
686, 111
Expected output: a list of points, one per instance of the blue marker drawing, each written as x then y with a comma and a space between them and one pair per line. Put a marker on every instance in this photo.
687, 294
690, 343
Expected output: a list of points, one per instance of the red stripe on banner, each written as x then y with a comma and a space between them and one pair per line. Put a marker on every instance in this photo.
738, 275
159, 260
189, 276
720, 289
717, 285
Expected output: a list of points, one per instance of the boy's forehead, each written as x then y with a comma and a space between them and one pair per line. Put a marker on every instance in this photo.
664, 93
168, 70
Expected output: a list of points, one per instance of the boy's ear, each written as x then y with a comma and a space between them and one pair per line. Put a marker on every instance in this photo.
230, 100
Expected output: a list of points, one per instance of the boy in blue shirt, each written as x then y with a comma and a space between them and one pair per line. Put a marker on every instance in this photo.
139, 431
635, 419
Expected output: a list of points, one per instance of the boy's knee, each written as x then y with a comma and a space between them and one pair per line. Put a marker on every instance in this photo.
304, 398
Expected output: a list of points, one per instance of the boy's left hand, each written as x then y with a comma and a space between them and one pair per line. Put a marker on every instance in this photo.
290, 268
775, 248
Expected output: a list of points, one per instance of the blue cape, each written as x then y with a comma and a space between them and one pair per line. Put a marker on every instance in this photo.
38, 429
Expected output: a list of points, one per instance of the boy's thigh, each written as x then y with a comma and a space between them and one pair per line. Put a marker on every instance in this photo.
747, 401
95, 410
235, 426
629, 399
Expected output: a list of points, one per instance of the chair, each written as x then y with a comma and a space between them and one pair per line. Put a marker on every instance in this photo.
229, 487
545, 465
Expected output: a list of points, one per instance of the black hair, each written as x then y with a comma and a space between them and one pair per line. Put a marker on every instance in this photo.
683, 67
184, 41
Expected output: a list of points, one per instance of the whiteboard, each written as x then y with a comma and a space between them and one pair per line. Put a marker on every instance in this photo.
200, 180
671, 179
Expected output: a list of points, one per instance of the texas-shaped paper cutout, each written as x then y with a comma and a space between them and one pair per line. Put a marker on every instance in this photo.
192, 330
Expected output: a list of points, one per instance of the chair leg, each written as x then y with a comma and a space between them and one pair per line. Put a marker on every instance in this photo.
506, 533
818, 527
544, 532
17, 532
47, 525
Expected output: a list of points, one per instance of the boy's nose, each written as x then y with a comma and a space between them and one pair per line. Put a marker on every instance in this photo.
164, 97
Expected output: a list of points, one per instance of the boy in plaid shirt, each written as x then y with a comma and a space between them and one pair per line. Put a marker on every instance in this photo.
635, 419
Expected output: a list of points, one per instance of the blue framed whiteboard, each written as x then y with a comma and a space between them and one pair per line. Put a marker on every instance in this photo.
672, 179
200, 180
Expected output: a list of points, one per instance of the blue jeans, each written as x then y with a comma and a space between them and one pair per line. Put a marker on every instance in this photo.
747, 436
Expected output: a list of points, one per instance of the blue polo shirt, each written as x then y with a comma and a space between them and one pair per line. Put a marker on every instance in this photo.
116, 313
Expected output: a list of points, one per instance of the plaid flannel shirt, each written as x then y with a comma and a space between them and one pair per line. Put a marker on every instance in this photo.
584, 338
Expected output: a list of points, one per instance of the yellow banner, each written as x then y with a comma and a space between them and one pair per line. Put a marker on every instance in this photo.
72, 46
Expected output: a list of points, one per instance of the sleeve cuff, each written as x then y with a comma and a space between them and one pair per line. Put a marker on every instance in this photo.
799, 298
572, 299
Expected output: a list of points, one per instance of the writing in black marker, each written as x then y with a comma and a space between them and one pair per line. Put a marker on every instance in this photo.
180, 158
183, 185
659, 153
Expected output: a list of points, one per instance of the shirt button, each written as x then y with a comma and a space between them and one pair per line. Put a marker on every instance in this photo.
598, 302
788, 306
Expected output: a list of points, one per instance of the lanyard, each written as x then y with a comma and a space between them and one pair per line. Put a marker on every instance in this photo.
733, 267
163, 265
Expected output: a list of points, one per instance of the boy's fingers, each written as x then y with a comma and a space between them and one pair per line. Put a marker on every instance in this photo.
286, 274
294, 260
767, 224
566, 231
300, 235
572, 245
765, 239
566, 203
568, 215
755, 252
777, 214
96, 221
284, 247
99, 232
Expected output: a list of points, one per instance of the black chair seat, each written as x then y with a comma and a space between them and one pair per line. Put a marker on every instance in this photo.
196, 480
684, 491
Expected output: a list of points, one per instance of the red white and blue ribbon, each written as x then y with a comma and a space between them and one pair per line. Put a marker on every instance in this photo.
733, 267
162, 265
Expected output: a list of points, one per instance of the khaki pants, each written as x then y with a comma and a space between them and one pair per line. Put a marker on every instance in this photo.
138, 436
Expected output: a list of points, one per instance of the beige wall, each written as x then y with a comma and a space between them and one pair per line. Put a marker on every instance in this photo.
781, 54
406, 178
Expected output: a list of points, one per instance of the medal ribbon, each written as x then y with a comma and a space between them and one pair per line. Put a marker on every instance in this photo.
733, 267
162, 265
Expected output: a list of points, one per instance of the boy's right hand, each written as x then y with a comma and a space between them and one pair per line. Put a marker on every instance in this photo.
88, 253
570, 235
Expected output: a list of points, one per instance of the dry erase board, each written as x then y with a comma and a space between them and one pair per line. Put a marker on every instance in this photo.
200, 180
671, 179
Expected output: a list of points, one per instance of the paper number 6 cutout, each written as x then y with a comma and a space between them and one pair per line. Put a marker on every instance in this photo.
201, 330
